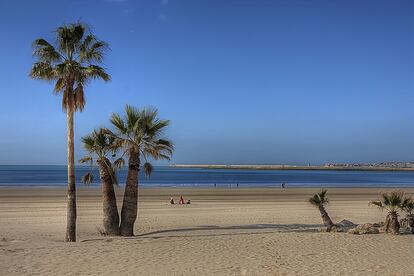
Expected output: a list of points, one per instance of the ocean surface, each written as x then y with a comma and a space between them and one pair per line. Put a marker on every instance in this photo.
179, 177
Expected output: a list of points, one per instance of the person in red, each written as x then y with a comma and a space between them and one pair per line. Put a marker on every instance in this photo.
181, 200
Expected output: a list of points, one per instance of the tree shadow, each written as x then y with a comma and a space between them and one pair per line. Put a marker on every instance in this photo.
215, 231
275, 228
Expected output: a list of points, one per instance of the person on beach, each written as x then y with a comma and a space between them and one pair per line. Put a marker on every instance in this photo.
172, 201
283, 185
181, 200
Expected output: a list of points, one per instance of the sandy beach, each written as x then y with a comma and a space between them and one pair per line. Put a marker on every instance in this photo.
260, 231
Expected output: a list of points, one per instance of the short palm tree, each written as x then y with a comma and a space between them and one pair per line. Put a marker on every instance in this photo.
71, 62
391, 202
140, 134
320, 200
99, 146
408, 208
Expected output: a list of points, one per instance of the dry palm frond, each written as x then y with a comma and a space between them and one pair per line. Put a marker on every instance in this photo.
87, 178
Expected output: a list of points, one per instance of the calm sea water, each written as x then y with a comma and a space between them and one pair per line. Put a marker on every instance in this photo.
178, 177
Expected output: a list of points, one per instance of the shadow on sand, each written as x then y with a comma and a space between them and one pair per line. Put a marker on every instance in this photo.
215, 230
292, 228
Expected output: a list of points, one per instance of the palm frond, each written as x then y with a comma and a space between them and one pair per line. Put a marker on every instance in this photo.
43, 71
319, 199
86, 159
96, 72
69, 38
377, 203
118, 123
92, 50
98, 142
45, 52
59, 86
391, 201
87, 178
408, 205
79, 97
119, 163
148, 169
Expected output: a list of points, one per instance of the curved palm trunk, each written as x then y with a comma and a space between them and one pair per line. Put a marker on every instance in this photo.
326, 219
130, 203
71, 201
110, 209
392, 225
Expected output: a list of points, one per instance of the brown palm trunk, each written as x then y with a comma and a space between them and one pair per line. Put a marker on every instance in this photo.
110, 209
71, 201
410, 220
326, 219
392, 225
130, 203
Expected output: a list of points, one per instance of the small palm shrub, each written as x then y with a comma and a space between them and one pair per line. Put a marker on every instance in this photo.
391, 202
320, 200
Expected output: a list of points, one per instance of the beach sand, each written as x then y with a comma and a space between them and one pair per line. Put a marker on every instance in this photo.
260, 231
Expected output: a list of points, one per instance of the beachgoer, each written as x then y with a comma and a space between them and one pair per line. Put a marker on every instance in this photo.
188, 202
172, 201
181, 200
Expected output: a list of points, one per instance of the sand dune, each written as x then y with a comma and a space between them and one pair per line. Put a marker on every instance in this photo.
224, 232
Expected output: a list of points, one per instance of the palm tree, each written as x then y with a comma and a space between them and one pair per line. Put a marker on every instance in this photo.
408, 208
392, 202
70, 62
320, 200
99, 145
140, 134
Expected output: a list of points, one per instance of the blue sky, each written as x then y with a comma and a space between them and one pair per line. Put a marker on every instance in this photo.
243, 82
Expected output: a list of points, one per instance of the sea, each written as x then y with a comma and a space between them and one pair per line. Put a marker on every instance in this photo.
165, 176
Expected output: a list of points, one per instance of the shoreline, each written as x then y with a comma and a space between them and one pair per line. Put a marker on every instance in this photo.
288, 167
165, 192
290, 186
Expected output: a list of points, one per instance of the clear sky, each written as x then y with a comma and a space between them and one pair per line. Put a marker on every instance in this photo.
264, 82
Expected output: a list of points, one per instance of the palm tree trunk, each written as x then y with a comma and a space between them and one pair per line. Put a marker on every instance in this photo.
71, 201
110, 209
410, 219
326, 219
130, 204
392, 225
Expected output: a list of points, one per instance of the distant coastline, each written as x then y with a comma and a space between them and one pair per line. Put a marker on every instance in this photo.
295, 167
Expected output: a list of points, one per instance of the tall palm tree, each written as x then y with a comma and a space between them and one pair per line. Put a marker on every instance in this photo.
320, 200
391, 202
99, 145
140, 134
71, 62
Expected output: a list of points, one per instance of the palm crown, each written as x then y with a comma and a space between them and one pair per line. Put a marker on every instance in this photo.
99, 145
391, 201
408, 205
141, 132
319, 199
71, 63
